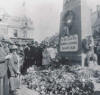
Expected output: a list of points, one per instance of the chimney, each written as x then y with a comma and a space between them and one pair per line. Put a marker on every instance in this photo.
98, 10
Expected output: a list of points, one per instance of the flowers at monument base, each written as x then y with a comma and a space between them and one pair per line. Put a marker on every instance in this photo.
58, 82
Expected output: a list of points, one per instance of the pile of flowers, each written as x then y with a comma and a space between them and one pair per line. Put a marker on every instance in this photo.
59, 81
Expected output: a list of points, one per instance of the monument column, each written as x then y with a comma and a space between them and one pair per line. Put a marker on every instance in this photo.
75, 26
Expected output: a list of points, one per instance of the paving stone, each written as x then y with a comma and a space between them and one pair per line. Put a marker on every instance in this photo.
25, 91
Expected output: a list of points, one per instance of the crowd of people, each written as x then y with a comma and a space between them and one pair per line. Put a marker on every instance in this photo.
32, 56
38, 54
16, 59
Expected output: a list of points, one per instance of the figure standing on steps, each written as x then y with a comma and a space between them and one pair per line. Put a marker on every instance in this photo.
91, 57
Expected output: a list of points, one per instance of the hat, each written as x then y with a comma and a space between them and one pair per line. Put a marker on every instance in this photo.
28, 44
32, 42
1, 38
4, 40
14, 47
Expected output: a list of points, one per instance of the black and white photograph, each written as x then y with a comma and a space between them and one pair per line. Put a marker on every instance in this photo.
49, 47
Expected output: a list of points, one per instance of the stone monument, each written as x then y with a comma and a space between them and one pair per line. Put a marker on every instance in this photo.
75, 25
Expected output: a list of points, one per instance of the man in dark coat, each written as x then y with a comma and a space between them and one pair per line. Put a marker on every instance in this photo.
26, 59
38, 55
32, 54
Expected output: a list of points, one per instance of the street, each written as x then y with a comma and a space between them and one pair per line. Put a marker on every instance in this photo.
25, 91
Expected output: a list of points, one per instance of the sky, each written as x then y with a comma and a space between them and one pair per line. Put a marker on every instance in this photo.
45, 14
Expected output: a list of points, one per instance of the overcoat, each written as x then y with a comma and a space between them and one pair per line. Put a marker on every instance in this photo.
3, 64
46, 57
4, 88
38, 56
12, 72
32, 55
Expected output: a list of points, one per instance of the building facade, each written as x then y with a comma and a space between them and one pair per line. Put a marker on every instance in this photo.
20, 27
95, 18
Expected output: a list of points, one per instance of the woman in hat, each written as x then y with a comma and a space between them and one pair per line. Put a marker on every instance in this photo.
13, 70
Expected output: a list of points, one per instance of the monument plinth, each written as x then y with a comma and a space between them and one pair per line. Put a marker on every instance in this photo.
75, 25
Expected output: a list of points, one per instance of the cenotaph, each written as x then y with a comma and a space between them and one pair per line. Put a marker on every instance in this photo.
75, 25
